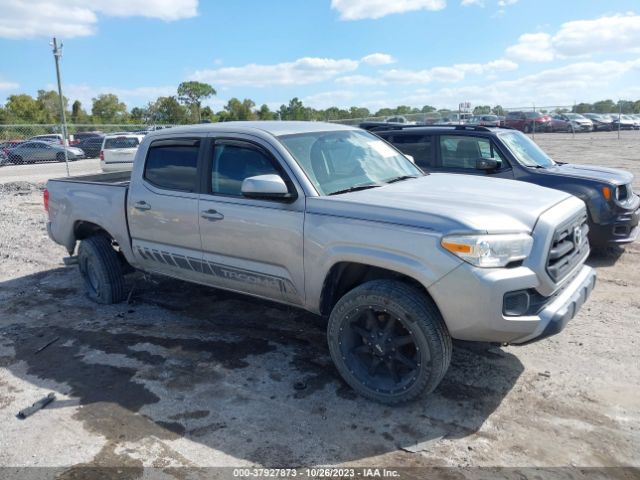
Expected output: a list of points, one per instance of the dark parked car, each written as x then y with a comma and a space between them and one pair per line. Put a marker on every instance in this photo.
613, 208
600, 121
528, 121
81, 136
559, 124
91, 146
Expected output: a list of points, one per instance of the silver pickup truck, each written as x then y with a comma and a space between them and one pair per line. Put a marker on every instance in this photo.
334, 220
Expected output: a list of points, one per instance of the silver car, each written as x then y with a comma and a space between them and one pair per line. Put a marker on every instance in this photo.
39, 151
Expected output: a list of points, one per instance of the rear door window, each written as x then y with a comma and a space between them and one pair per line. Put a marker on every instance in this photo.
121, 142
418, 146
173, 164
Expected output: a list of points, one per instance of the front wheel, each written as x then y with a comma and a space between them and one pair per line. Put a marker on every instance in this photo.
388, 341
101, 270
527, 129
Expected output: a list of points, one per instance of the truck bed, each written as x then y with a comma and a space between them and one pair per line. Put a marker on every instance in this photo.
98, 199
110, 178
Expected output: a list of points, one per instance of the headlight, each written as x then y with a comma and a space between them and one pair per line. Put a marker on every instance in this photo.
489, 250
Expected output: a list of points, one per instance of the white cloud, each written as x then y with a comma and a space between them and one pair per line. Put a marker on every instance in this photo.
299, 72
581, 81
359, 80
467, 3
614, 34
77, 18
378, 59
6, 85
326, 99
506, 3
453, 73
606, 34
532, 47
373, 9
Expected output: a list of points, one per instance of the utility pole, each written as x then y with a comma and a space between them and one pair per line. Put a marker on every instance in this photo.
57, 53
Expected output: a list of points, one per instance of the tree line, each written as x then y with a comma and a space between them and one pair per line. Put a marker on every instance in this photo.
186, 107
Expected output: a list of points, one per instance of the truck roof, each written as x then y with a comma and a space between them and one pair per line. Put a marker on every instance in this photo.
273, 127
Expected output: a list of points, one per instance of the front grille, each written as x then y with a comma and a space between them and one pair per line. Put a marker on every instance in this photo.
568, 247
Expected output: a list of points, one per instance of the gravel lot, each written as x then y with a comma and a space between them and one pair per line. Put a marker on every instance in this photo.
187, 376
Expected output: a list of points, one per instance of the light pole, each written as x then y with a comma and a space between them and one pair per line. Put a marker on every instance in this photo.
57, 53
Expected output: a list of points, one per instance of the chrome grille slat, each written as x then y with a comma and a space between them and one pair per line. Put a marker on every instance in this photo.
565, 252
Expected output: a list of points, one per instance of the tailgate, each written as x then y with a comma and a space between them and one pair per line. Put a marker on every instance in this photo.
120, 155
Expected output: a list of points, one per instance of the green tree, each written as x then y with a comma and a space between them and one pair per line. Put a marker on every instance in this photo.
626, 106
583, 108
482, 110
208, 114
168, 110
498, 110
240, 110
266, 114
139, 115
359, 112
49, 105
295, 111
22, 109
428, 109
107, 108
78, 115
602, 106
192, 93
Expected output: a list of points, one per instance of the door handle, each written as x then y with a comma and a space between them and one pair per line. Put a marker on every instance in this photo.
212, 215
142, 205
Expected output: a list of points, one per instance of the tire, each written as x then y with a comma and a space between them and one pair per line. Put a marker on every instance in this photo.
17, 160
527, 129
60, 157
411, 340
101, 270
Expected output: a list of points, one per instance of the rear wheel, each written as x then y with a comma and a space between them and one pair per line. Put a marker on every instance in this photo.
101, 270
60, 157
388, 341
17, 160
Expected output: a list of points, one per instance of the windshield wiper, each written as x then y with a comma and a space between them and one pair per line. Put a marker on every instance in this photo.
355, 188
401, 177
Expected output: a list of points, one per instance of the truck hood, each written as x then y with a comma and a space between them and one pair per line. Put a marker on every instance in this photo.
446, 203
612, 176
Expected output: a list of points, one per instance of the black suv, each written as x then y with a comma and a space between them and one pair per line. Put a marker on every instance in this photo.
613, 208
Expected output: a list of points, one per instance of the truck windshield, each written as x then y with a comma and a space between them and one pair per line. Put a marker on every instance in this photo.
338, 161
525, 150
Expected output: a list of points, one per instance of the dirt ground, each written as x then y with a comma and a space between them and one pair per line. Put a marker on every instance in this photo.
187, 376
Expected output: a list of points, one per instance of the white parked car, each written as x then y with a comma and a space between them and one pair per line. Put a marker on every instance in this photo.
52, 137
118, 151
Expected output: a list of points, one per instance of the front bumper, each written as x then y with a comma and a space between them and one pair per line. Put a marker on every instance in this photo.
625, 228
471, 302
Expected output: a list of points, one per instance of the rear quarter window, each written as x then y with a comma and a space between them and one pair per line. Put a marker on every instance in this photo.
121, 142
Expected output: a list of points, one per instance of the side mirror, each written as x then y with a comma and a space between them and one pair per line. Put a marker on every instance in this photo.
265, 186
486, 164
410, 158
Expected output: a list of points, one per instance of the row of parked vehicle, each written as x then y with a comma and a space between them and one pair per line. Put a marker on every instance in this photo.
532, 121
115, 150
568, 122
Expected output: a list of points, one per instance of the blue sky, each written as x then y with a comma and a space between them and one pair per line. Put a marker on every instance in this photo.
372, 53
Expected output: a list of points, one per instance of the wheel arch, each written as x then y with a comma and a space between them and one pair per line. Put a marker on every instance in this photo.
344, 276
